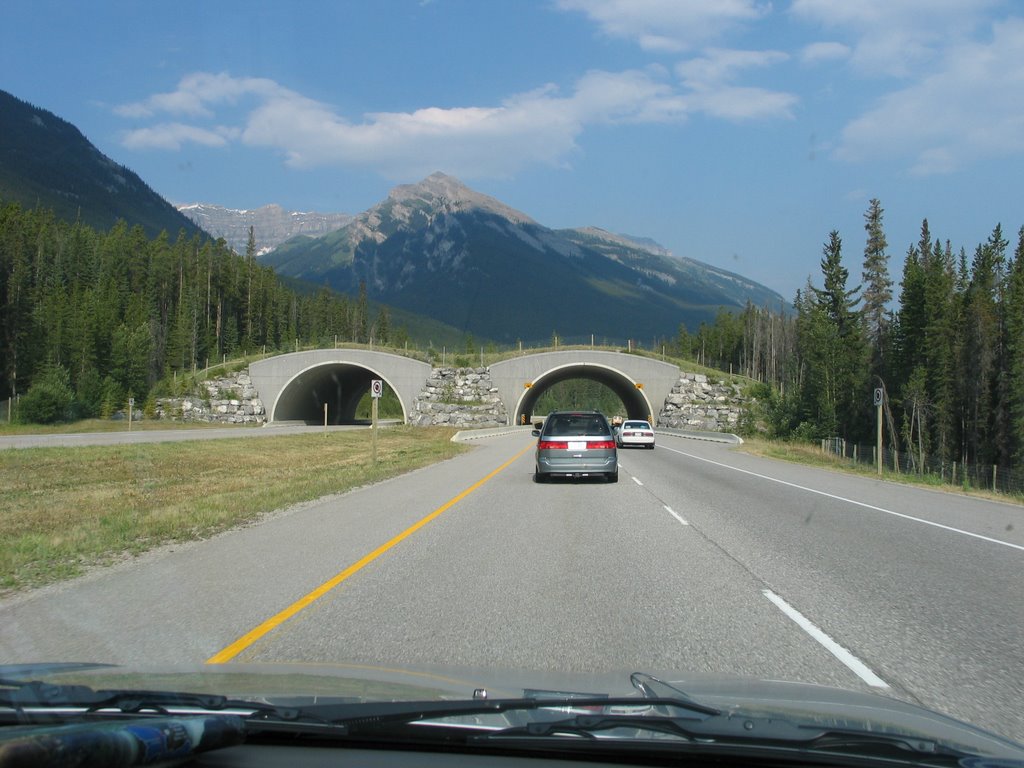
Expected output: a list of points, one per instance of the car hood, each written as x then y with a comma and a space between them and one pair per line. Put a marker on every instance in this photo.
298, 684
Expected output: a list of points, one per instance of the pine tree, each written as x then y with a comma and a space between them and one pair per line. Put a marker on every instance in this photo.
847, 361
362, 320
250, 269
383, 326
981, 348
939, 349
1014, 373
877, 291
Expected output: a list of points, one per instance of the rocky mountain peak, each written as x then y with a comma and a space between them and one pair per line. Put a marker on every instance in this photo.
446, 193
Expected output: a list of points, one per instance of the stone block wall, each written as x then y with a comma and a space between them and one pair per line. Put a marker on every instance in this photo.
228, 400
697, 403
459, 397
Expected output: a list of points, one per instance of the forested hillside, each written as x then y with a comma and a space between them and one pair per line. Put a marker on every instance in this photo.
46, 162
95, 317
948, 349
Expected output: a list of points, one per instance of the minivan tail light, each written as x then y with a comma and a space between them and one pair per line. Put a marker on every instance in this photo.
553, 445
599, 444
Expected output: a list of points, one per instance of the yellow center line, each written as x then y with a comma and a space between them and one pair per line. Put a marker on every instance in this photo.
250, 637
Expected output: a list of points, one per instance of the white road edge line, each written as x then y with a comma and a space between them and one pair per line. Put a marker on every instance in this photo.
677, 517
635, 480
851, 501
857, 666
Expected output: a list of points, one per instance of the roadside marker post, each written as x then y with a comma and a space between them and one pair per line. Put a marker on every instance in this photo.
879, 398
376, 390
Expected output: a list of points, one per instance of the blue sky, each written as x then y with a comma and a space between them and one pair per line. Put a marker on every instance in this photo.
736, 132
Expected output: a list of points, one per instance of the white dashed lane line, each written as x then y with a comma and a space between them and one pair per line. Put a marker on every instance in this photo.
677, 517
854, 664
857, 666
667, 508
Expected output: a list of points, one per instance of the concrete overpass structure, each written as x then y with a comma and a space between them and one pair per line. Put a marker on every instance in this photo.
295, 386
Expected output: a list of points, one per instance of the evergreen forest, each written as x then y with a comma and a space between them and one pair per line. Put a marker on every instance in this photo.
92, 318
947, 350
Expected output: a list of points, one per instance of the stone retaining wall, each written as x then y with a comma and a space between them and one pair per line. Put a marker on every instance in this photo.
697, 403
228, 400
459, 397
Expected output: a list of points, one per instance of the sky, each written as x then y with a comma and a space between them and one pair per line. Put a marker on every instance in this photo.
735, 132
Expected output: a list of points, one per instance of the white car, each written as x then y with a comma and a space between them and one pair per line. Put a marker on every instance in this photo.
633, 432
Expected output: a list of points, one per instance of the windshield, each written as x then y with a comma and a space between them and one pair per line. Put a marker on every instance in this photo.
286, 289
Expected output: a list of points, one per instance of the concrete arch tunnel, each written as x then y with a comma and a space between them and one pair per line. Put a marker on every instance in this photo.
295, 386
635, 402
641, 383
339, 386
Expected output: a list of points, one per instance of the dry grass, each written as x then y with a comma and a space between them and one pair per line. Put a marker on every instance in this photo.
107, 425
65, 509
811, 455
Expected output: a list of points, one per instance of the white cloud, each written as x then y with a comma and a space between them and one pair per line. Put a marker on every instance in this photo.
173, 135
711, 91
720, 65
535, 127
198, 91
967, 108
667, 25
738, 103
824, 51
896, 37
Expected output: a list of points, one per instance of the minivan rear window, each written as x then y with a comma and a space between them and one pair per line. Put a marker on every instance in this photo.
577, 424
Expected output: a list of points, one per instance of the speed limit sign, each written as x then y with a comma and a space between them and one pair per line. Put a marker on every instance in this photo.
376, 388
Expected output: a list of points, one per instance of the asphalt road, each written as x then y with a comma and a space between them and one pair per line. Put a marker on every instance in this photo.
699, 560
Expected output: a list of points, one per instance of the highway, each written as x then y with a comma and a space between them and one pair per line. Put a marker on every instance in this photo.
700, 560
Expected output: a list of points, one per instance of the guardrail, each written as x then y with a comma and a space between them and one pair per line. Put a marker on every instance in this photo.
693, 434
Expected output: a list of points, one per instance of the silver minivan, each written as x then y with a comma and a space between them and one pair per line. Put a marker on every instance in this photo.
575, 444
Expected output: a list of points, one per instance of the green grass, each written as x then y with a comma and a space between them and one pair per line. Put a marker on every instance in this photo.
63, 510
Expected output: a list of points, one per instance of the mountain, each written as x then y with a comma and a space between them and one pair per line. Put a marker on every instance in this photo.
271, 224
47, 162
439, 248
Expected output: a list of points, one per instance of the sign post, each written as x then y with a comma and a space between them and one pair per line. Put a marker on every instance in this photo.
376, 390
879, 399
131, 407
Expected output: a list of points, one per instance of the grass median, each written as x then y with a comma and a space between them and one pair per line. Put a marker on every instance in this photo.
63, 510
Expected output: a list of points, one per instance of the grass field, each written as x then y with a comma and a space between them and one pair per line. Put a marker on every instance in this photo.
63, 510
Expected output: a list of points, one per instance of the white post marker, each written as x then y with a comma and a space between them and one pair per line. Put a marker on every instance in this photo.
376, 390
879, 400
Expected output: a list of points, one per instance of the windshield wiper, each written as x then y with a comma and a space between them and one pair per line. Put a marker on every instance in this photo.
559, 721
729, 732
36, 695
647, 684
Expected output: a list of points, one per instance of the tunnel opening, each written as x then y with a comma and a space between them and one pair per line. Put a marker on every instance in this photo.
339, 386
630, 394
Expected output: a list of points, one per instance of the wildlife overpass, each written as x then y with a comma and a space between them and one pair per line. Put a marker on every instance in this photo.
296, 386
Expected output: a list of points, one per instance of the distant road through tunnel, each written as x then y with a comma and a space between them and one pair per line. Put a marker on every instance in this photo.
633, 399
